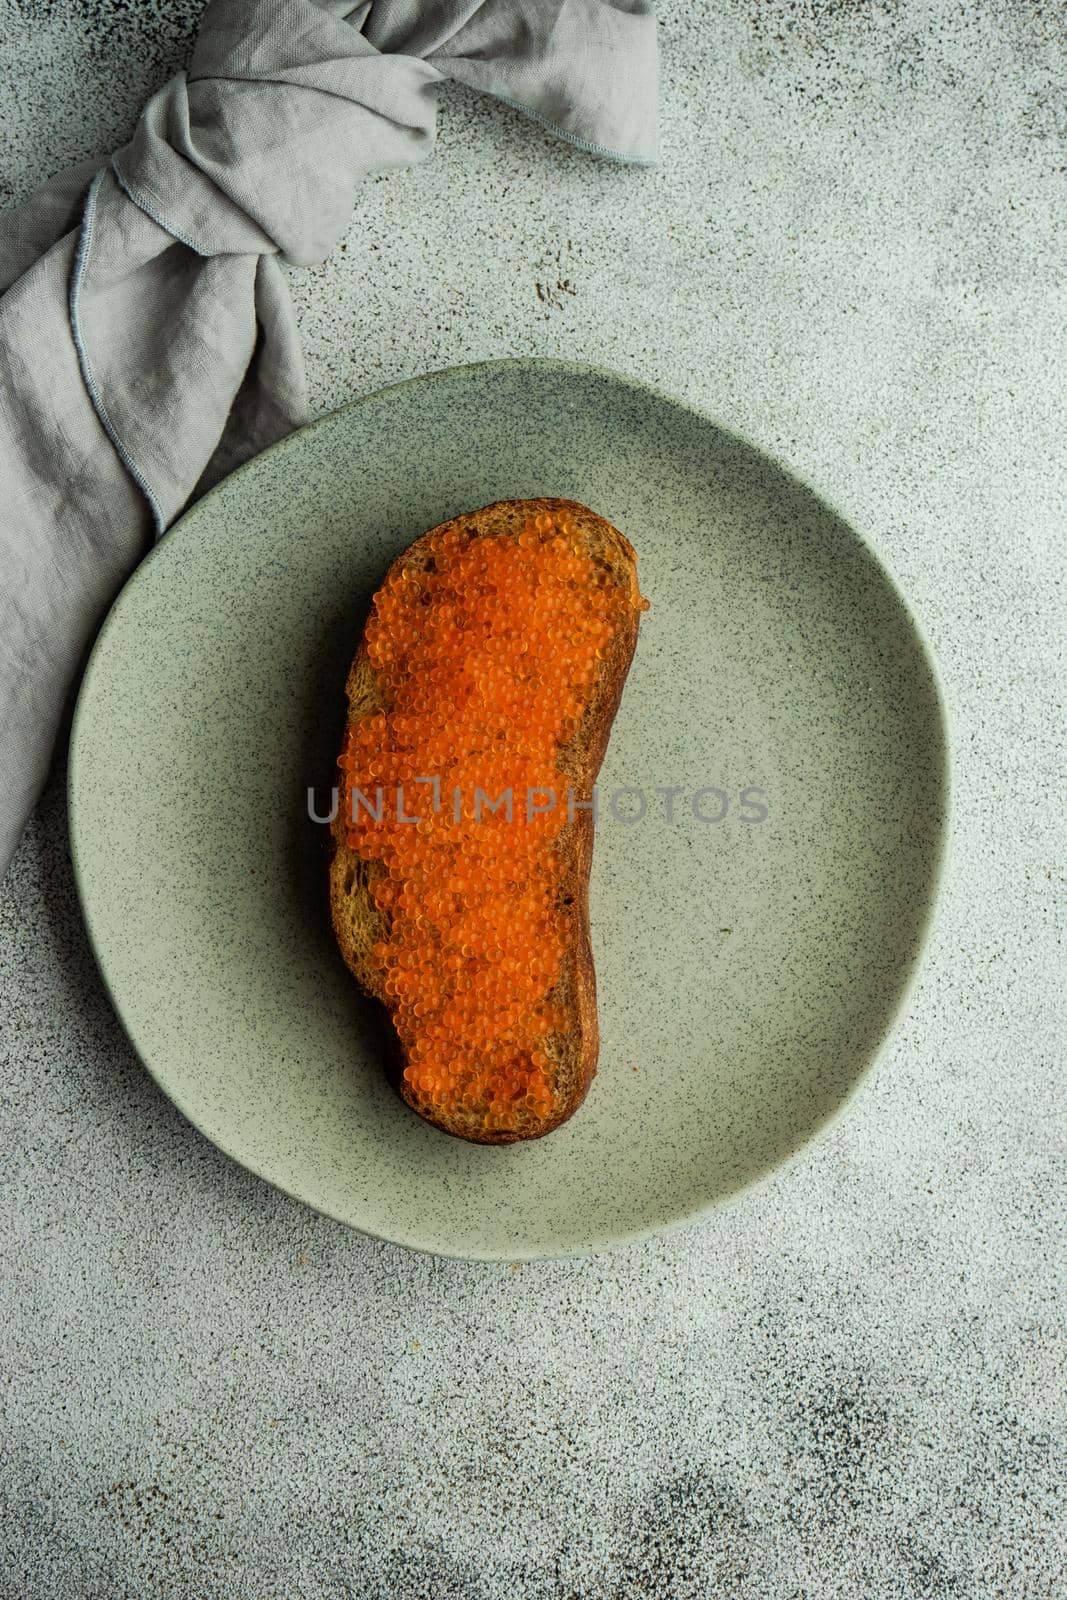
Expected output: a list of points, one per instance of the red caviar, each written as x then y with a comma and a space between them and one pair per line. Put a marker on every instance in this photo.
486, 650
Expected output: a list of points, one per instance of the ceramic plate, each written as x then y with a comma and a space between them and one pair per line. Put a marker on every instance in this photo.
772, 811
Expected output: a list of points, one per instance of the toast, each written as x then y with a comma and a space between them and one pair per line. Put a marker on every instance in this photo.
493, 663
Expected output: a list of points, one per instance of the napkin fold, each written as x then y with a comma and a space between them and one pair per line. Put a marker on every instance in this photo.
147, 340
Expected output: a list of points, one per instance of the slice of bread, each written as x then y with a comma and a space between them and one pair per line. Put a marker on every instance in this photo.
362, 924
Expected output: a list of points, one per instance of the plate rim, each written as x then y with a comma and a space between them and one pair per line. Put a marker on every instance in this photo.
865, 1070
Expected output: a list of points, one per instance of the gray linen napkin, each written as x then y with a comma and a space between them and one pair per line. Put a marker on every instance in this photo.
147, 342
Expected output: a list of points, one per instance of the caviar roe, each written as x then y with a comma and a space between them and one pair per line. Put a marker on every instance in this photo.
486, 652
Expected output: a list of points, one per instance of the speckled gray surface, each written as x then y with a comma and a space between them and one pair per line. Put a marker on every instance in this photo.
850, 1384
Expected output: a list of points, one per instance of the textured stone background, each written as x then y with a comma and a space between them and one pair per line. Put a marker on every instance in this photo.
849, 1384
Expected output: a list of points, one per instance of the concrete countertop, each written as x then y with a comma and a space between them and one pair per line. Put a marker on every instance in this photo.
849, 1384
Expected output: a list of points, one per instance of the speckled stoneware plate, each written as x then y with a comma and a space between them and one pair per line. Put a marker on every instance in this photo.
749, 967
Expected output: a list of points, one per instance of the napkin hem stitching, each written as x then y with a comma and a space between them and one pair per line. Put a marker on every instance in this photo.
574, 138
142, 205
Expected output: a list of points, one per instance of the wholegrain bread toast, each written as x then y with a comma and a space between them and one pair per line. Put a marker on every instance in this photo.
522, 1101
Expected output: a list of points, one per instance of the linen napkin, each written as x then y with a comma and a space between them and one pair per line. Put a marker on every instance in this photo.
147, 341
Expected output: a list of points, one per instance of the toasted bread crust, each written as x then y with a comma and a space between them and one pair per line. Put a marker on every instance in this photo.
357, 921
